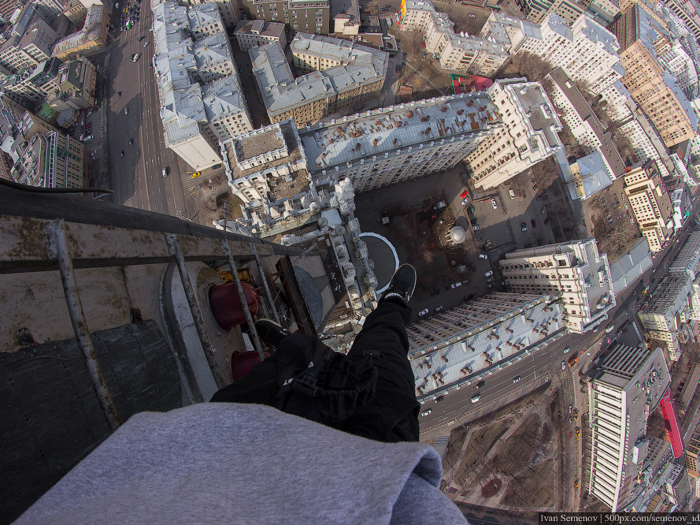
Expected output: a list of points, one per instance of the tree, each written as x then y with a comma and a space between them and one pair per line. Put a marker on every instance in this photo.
531, 66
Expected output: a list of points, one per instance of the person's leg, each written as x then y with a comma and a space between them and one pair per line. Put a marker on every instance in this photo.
393, 413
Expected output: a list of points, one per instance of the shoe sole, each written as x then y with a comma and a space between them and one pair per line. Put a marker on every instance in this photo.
415, 277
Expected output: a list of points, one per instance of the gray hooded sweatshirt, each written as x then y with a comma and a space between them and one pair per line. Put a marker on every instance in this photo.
249, 464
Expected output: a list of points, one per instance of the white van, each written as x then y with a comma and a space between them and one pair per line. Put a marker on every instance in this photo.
476, 398
165, 172
511, 193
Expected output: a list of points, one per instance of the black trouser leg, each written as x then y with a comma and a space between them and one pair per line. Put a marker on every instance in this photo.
393, 413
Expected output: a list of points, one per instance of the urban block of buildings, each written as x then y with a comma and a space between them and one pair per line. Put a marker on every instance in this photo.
30, 86
667, 313
40, 154
251, 33
201, 99
586, 51
573, 271
90, 39
368, 30
309, 16
650, 203
76, 85
625, 388
457, 52
28, 45
460, 345
651, 85
342, 74
529, 134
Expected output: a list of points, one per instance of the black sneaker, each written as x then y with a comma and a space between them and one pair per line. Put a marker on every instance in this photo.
402, 284
270, 332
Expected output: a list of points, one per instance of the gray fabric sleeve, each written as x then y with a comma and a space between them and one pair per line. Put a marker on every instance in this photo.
421, 503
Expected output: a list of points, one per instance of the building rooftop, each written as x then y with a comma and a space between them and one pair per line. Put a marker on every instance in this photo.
260, 27
202, 15
223, 97
538, 110
589, 175
486, 336
631, 265
397, 127
673, 288
257, 142
211, 50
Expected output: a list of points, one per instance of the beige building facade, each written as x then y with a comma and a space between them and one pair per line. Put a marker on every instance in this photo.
251, 33
650, 203
575, 271
530, 133
667, 108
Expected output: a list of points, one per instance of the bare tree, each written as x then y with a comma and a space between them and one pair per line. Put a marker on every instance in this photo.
531, 66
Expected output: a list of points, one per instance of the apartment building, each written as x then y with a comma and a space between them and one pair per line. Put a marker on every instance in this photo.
75, 11
43, 156
29, 49
651, 86
668, 311
251, 33
586, 51
456, 347
457, 52
686, 11
304, 16
573, 271
508, 30
398, 143
692, 450
688, 259
343, 74
530, 133
90, 39
647, 143
228, 10
650, 203
196, 116
583, 123
626, 387
682, 203
76, 81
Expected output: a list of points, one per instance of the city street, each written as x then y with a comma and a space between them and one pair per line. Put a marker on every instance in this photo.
137, 177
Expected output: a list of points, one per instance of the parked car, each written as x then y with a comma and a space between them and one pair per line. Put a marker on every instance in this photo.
488, 274
493, 203
463, 195
483, 256
119, 94
534, 224
465, 201
567, 349
511, 193
126, 111
438, 309
523, 227
476, 398
516, 379
455, 285
609, 328
563, 365
136, 57
475, 227
423, 312
427, 412
480, 384
468, 297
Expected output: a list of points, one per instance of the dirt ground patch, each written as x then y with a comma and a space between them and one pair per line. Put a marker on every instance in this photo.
519, 449
528, 490
479, 444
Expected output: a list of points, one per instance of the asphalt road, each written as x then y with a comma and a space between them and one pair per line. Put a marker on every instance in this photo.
137, 177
